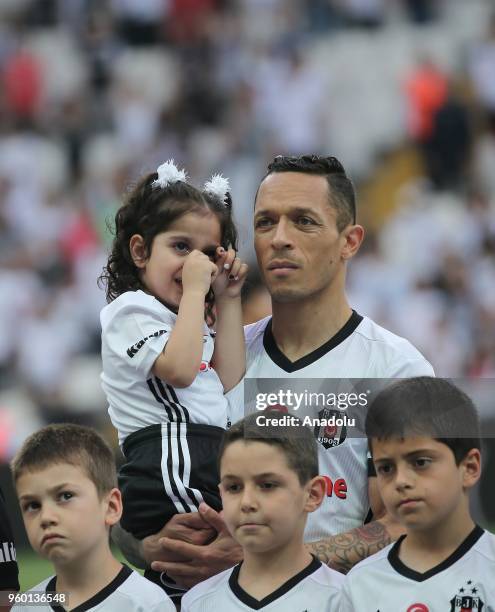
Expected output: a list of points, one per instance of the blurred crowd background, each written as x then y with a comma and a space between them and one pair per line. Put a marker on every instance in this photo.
93, 93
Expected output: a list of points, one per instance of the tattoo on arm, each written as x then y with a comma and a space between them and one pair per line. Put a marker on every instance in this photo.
344, 550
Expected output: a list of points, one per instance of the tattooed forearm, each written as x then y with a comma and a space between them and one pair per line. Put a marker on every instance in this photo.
344, 550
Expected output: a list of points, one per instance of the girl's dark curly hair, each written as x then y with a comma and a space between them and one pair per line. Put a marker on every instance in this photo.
149, 210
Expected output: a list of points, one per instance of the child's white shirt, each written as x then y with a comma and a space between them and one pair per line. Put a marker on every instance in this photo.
315, 589
465, 581
135, 329
128, 592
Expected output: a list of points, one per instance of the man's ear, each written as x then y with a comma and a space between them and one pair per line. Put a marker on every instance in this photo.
316, 491
353, 237
138, 251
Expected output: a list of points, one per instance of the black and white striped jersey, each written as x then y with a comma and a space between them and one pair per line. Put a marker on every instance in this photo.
360, 350
315, 589
463, 582
127, 592
135, 329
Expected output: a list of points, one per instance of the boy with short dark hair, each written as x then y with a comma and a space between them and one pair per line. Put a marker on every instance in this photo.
65, 479
269, 483
424, 438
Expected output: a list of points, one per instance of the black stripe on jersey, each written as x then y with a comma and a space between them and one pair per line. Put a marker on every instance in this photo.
286, 364
255, 604
459, 552
170, 472
175, 399
160, 400
166, 399
105, 592
182, 462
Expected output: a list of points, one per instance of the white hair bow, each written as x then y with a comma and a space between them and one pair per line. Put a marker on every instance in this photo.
169, 173
219, 186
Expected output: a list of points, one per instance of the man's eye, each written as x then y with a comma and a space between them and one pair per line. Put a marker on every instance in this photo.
181, 247
66, 495
422, 462
233, 488
305, 221
263, 222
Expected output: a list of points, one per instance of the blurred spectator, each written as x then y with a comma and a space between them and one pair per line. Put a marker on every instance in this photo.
447, 148
96, 93
22, 82
368, 14
421, 11
482, 71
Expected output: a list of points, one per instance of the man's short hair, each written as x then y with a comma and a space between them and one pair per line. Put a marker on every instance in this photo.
340, 188
67, 443
296, 441
425, 406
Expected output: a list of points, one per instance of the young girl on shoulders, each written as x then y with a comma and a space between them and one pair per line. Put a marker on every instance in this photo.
172, 272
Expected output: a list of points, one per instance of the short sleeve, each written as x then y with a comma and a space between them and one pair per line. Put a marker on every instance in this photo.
137, 334
413, 367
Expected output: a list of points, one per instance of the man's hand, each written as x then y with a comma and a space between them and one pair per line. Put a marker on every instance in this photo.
188, 563
189, 527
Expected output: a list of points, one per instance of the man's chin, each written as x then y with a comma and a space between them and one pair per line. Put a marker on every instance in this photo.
286, 295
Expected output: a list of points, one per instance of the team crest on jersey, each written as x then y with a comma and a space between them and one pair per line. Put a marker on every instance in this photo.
467, 599
330, 435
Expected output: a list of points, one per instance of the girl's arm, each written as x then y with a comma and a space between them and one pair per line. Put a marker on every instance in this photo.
229, 356
179, 362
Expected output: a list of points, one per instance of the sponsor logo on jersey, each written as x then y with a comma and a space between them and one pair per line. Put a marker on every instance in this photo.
417, 607
132, 350
337, 487
7, 552
467, 599
330, 435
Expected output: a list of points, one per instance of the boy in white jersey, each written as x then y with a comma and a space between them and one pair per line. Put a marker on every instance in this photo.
424, 437
269, 483
65, 479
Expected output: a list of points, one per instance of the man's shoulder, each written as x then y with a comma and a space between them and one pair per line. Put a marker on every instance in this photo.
255, 330
207, 588
394, 348
370, 330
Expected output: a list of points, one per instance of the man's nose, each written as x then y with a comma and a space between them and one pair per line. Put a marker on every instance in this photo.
281, 238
